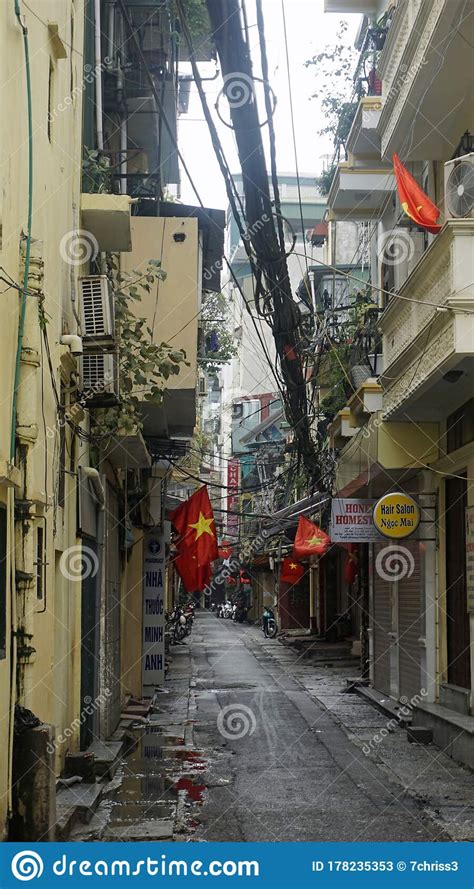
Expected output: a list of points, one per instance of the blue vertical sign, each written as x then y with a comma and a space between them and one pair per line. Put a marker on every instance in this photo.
153, 642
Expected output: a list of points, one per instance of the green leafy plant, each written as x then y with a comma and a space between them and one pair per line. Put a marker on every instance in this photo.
335, 66
216, 325
197, 17
96, 172
144, 366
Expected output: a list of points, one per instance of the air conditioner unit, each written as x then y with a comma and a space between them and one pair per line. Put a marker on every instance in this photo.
202, 385
100, 387
459, 187
97, 310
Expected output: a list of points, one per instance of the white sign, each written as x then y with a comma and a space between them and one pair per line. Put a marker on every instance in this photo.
153, 642
351, 521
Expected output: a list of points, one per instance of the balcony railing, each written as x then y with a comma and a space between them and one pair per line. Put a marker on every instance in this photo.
428, 332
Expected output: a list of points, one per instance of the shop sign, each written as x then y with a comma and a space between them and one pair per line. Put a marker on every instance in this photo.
351, 521
233, 470
153, 643
396, 515
470, 557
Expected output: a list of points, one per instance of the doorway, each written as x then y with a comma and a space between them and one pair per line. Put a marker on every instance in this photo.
457, 617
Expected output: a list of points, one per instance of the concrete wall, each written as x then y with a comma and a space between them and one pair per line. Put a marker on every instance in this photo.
172, 307
49, 677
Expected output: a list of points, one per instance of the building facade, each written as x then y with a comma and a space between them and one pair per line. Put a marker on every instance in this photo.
406, 427
90, 432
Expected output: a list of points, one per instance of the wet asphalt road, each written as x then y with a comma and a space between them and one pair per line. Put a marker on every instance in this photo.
280, 767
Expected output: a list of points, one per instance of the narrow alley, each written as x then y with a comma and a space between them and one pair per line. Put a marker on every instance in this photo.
254, 744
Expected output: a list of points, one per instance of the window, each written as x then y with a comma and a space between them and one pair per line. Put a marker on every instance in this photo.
50, 100
3, 581
39, 563
460, 427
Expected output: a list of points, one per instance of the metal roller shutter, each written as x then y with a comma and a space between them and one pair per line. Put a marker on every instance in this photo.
410, 623
382, 624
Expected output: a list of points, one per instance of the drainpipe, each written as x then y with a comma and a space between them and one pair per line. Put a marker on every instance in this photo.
123, 128
98, 77
26, 272
16, 383
110, 32
94, 478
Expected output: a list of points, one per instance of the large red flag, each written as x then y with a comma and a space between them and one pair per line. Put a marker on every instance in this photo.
195, 577
194, 522
310, 540
351, 563
291, 571
416, 204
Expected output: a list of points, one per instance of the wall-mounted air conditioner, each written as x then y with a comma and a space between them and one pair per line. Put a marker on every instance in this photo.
459, 187
97, 310
100, 386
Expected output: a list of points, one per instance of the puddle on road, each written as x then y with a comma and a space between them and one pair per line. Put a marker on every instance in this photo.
150, 778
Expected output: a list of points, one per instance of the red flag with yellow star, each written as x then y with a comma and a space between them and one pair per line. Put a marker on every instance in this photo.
194, 522
225, 550
291, 571
416, 204
195, 577
310, 540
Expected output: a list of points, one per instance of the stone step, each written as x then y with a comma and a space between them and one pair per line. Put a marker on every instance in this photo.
75, 804
107, 757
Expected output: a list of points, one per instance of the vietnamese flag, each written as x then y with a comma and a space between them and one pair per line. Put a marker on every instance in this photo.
310, 540
351, 564
225, 550
194, 522
194, 577
416, 204
291, 571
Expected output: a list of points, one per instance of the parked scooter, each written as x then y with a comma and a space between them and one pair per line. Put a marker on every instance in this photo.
269, 624
176, 625
227, 610
189, 616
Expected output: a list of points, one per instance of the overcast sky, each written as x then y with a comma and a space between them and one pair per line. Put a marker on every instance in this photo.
309, 29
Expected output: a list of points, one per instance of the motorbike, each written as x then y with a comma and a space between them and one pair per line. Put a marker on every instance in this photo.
228, 610
189, 617
269, 624
176, 625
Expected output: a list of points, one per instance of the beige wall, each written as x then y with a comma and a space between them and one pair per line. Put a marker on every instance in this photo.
172, 307
49, 679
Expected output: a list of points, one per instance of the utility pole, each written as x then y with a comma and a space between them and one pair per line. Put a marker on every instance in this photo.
262, 218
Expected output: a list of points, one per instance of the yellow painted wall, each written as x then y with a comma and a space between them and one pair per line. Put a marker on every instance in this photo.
171, 309
405, 444
50, 677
